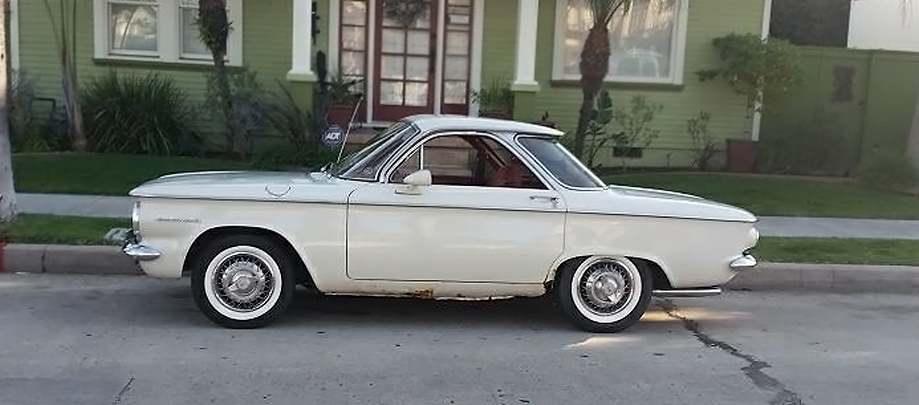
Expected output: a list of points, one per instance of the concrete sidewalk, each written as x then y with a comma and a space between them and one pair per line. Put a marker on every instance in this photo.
120, 207
78, 205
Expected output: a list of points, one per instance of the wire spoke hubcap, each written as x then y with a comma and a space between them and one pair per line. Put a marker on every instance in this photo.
605, 287
243, 282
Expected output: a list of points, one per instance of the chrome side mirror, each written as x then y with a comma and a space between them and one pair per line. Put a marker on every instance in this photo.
414, 181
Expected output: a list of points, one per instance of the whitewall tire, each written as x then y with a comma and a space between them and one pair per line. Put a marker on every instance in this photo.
604, 293
243, 281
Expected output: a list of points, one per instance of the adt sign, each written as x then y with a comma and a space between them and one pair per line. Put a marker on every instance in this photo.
333, 136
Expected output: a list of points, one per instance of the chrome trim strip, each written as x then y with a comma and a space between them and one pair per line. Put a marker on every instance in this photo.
238, 199
744, 262
140, 252
689, 293
459, 207
345, 204
661, 216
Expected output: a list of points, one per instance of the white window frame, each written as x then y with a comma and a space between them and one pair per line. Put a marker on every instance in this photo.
169, 36
677, 57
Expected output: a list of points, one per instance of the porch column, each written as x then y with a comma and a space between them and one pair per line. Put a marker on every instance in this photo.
301, 53
525, 71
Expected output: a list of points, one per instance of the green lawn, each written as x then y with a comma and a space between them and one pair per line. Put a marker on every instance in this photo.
838, 251
105, 174
52, 229
782, 196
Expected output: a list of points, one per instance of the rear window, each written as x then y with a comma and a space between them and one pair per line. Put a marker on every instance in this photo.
561, 163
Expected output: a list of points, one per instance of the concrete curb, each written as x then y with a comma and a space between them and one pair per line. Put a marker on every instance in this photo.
109, 260
67, 259
838, 278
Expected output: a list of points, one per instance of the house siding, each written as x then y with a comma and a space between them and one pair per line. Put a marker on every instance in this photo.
708, 19
267, 49
499, 41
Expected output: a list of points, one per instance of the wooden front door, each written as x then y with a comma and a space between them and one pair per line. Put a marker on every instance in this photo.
405, 61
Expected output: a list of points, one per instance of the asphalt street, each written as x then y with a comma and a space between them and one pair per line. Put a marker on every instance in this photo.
69, 339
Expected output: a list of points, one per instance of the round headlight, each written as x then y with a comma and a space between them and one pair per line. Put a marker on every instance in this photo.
135, 217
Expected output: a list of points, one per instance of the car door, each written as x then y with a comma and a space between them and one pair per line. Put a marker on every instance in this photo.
486, 217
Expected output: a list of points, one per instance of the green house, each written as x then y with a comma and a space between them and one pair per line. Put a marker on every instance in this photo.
423, 56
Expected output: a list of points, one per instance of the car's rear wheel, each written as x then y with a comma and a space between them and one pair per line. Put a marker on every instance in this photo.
243, 281
604, 293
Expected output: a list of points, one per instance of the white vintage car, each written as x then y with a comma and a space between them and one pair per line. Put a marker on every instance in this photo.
437, 207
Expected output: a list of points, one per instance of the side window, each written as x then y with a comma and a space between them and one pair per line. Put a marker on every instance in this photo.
468, 160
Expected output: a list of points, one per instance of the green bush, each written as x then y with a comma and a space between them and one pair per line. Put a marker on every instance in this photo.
284, 156
31, 129
139, 114
248, 104
296, 125
889, 170
813, 145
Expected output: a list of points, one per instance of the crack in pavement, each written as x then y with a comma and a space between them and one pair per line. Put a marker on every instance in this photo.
123, 391
754, 368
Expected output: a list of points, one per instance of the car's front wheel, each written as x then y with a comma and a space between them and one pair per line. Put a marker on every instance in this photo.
242, 281
604, 293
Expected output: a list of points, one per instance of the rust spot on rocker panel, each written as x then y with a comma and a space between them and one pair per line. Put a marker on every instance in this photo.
426, 294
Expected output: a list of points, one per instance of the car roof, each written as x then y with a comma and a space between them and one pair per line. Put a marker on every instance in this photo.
435, 122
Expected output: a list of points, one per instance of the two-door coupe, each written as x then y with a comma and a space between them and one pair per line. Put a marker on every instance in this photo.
441, 207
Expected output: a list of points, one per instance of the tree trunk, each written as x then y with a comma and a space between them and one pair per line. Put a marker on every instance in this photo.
214, 26
912, 141
594, 66
72, 106
7, 189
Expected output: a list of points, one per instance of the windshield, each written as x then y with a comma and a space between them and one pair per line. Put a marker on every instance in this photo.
562, 164
366, 163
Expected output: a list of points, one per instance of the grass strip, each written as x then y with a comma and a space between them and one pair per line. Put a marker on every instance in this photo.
838, 251
102, 174
55, 229
780, 196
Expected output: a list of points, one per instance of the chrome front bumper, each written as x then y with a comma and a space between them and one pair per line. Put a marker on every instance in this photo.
140, 252
743, 262
137, 250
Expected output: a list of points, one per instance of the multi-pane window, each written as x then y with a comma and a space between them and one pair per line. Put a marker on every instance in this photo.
352, 56
158, 30
645, 41
192, 46
133, 26
458, 36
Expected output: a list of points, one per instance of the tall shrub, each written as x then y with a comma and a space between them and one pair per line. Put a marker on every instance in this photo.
755, 67
139, 114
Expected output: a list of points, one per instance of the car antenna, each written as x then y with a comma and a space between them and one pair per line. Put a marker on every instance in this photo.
357, 105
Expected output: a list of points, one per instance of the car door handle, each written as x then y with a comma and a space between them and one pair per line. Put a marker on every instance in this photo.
552, 199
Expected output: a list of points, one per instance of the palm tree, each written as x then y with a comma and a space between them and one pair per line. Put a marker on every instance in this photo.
594, 63
214, 30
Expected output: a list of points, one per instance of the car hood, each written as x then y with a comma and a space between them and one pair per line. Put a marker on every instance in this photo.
662, 203
246, 185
